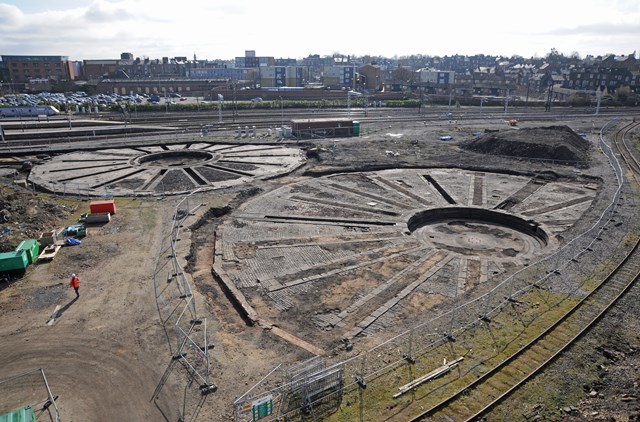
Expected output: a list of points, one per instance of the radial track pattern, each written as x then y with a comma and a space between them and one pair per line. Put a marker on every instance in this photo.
163, 169
362, 251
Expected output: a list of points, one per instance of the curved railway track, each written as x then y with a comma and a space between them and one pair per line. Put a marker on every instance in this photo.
476, 399
626, 152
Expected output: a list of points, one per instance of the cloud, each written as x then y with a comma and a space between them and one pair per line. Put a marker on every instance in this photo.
10, 15
604, 29
104, 12
223, 29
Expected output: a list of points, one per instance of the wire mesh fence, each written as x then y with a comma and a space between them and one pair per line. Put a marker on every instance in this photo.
27, 396
176, 303
525, 300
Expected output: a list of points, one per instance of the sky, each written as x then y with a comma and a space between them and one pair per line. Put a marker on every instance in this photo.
222, 29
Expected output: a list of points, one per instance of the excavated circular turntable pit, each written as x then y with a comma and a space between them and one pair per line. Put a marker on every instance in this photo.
164, 169
478, 232
180, 158
358, 253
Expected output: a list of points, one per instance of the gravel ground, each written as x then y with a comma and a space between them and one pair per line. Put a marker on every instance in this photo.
116, 324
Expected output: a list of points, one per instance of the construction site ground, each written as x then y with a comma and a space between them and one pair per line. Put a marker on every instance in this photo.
106, 355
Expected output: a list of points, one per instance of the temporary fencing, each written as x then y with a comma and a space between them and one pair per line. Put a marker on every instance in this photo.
28, 395
176, 303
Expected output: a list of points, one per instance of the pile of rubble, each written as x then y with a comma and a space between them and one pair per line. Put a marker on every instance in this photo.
557, 143
25, 215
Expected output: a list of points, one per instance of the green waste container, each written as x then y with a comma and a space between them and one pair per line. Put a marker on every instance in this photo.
31, 247
355, 130
25, 414
11, 261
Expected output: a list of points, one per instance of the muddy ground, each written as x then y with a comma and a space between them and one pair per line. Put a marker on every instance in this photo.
107, 355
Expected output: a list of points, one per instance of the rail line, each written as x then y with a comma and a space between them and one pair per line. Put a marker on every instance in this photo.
620, 140
486, 392
187, 124
264, 118
474, 400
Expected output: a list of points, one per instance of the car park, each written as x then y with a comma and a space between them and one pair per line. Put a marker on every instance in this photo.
79, 100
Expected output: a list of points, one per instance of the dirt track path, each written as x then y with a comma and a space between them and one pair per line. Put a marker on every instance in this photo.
106, 352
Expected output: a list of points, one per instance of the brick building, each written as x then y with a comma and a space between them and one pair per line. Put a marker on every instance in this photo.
22, 69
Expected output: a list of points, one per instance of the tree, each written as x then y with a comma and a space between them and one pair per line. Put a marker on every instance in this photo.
553, 55
622, 93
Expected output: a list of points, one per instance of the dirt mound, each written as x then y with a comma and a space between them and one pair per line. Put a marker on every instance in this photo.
558, 143
24, 215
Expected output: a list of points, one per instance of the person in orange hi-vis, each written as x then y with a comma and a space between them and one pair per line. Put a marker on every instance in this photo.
75, 283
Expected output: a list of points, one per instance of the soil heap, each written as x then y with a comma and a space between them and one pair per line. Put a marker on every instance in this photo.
24, 215
558, 143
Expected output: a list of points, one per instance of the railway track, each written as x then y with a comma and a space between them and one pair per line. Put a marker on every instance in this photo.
267, 118
486, 392
185, 125
476, 399
621, 142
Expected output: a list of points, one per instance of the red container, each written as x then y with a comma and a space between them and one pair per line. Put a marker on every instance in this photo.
103, 206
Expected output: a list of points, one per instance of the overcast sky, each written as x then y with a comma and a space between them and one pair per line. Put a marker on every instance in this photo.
221, 29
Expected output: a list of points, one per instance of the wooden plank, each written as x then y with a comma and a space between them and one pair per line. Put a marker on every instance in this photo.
53, 315
431, 375
49, 252
296, 340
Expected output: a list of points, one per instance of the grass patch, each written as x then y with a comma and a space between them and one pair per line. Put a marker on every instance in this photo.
484, 345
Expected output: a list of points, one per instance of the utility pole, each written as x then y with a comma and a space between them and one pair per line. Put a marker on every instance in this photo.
234, 101
598, 99
506, 102
547, 106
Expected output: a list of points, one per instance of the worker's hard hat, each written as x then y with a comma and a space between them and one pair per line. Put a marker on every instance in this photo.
73, 275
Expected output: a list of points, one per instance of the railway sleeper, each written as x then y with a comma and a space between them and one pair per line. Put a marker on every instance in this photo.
562, 333
527, 365
587, 314
455, 412
499, 383
535, 356
516, 371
